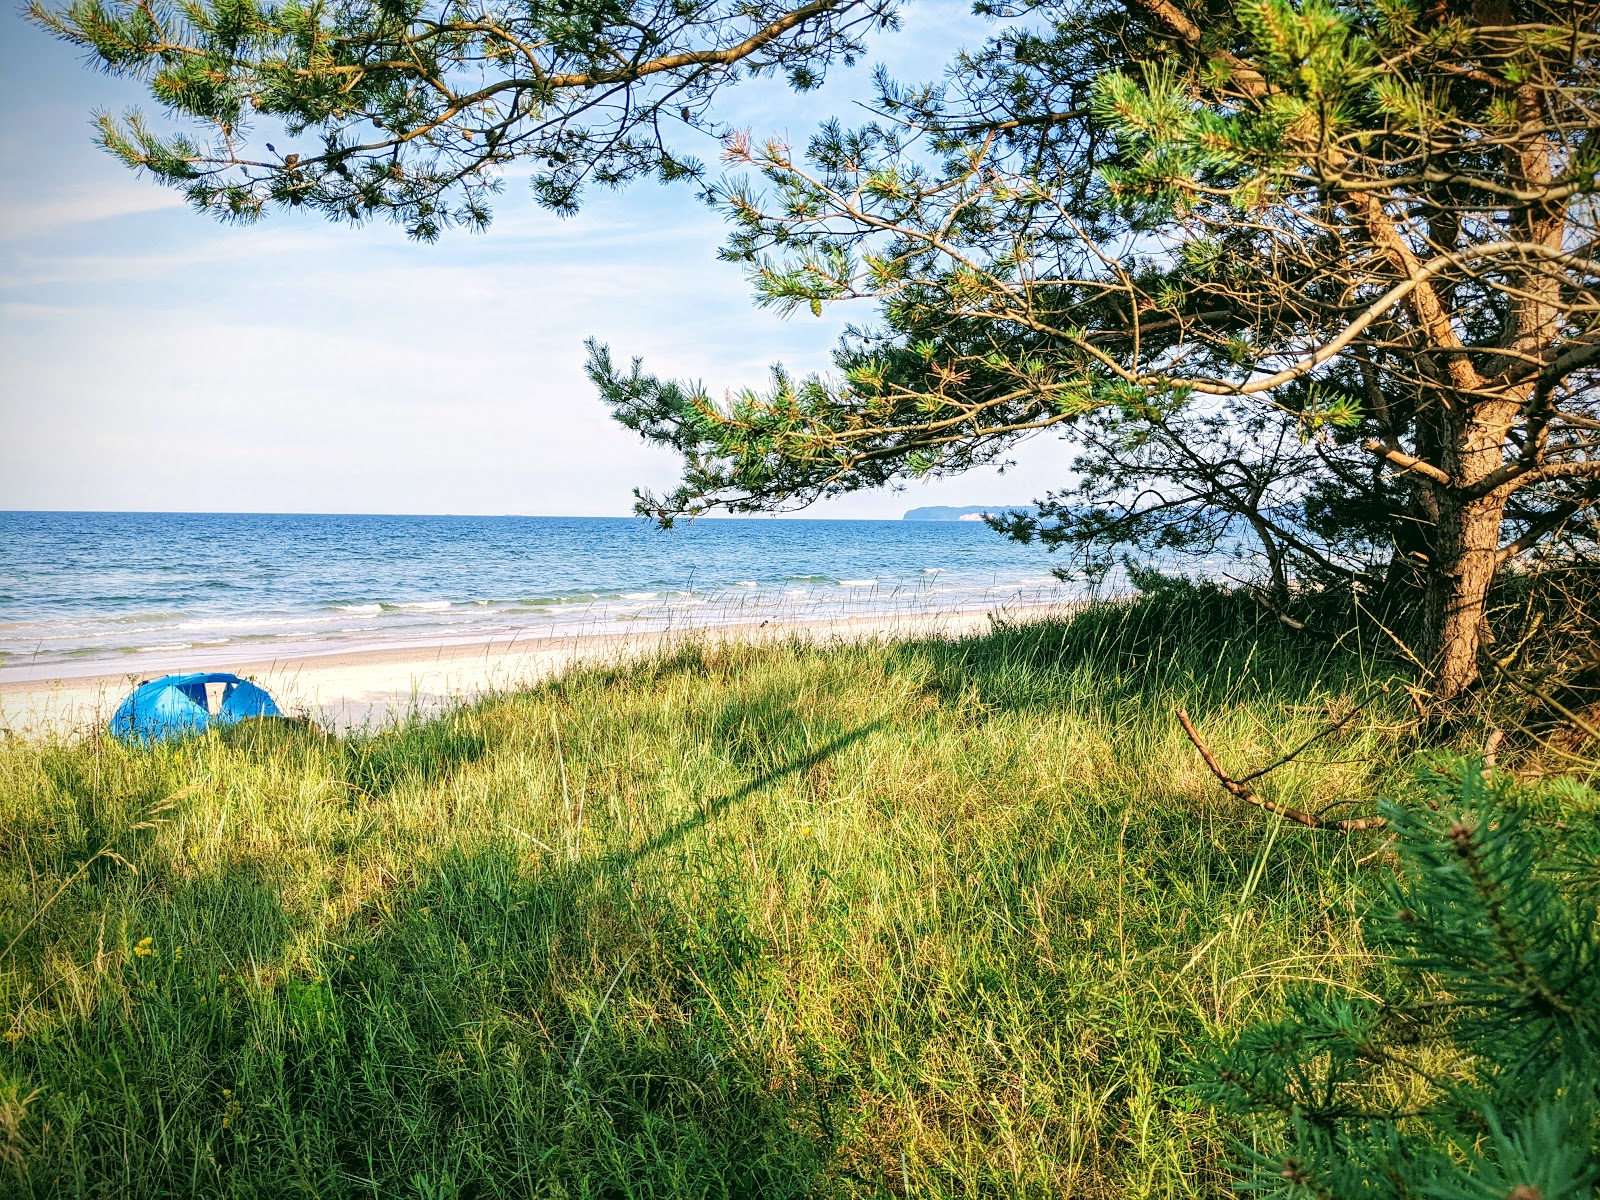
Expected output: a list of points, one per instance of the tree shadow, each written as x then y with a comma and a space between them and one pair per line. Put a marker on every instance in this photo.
715, 807
492, 1026
1190, 639
425, 752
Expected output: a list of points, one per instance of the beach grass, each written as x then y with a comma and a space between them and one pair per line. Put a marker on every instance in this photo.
927, 918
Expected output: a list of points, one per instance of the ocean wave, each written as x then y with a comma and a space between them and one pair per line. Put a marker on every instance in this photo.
28, 639
368, 608
92, 652
313, 584
277, 621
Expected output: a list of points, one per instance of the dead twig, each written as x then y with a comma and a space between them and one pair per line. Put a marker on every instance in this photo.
1575, 721
1236, 788
1283, 617
1327, 731
1491, 748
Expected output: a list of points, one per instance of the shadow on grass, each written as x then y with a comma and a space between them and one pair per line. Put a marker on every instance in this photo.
484, 1029
496, 1035
1185, 639
417, 752
715, 807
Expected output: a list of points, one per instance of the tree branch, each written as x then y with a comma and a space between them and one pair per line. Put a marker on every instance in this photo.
1406, 462
1235, 788
696, 58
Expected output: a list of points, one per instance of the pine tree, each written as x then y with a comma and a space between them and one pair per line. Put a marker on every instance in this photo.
1476, 1073
1321, 275
413, 112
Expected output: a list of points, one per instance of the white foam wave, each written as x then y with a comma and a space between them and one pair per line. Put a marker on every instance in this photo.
858, 583
237, 623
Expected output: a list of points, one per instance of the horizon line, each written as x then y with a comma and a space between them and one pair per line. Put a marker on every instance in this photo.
186, 512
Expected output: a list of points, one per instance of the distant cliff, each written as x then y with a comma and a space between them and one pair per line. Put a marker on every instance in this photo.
972, 512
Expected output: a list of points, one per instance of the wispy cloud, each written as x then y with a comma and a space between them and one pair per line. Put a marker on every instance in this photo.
80, 205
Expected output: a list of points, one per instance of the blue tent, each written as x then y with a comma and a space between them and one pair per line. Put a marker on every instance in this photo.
176, 705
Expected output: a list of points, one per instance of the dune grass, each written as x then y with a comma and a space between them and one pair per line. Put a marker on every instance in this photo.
932, 919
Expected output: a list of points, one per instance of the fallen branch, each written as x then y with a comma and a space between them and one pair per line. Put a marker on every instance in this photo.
1235, 788
1311, 741
1491, 749
1576, 725
1283, 617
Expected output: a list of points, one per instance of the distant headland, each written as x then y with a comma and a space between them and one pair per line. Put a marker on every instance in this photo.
972, 512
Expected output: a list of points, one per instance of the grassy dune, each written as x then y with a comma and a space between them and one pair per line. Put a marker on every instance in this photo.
938, 919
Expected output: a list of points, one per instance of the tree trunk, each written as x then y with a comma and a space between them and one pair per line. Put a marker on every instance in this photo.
1274, 552
1467, 545
1466, 556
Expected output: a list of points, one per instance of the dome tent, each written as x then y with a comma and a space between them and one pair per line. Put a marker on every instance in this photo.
175, 705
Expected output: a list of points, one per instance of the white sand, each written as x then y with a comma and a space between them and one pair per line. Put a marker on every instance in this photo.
371, 688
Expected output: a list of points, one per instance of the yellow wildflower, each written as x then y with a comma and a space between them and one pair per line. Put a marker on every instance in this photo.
13, 1036
145, 948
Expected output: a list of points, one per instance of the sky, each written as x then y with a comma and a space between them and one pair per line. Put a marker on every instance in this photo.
152, 359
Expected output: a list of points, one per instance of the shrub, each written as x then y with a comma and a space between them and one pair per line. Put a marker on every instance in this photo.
1469, 1068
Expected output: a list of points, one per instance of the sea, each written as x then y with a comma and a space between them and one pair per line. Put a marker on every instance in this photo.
90, 593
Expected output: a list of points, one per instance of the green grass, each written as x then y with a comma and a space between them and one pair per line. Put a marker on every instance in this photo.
939, 919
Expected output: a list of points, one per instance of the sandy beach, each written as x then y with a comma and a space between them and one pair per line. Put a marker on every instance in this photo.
372, 688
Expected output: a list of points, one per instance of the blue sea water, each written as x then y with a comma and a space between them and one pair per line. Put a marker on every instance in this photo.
88, 592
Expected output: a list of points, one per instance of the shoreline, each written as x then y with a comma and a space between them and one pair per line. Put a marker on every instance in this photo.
369, 688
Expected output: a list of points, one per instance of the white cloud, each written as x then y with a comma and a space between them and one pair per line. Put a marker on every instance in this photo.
80, 204
145, 347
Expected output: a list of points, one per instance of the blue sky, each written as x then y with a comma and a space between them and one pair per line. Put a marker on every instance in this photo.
151, 359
